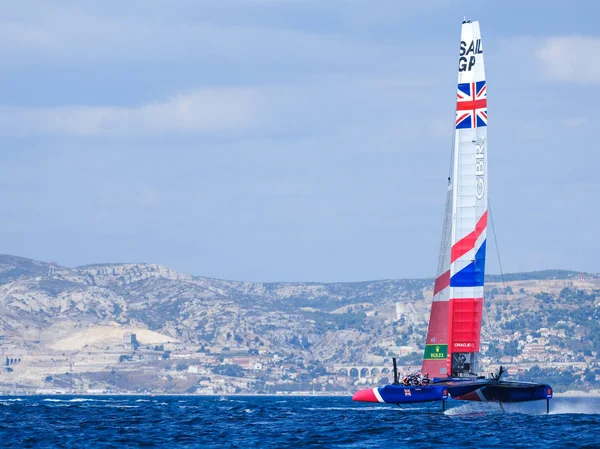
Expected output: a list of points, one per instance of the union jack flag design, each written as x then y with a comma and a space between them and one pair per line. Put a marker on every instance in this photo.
471, 105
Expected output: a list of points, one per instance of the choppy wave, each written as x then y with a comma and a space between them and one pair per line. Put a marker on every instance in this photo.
81, 400
361, 409
273, 422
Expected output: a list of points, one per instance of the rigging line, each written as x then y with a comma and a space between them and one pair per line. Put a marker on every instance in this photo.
496, 328
496, 242
444, 250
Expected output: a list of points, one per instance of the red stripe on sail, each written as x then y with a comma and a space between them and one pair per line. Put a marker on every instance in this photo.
441, 282
437, 334
467, 243
465, 324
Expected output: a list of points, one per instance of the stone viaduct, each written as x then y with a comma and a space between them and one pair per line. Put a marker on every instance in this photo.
361, 371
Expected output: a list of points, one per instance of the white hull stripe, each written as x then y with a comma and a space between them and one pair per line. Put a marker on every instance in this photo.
377, 395
480, 394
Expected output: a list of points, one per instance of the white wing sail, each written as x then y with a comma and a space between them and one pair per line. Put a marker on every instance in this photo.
455, 323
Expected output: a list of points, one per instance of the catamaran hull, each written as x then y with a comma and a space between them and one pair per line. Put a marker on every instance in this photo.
506, 393
398, 394
466, 390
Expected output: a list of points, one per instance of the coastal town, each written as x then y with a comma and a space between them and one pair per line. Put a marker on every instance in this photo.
143, 329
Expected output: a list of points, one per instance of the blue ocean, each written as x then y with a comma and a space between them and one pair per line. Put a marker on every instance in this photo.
298, 422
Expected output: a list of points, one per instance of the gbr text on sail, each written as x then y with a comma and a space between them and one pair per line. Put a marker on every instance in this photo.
480, 169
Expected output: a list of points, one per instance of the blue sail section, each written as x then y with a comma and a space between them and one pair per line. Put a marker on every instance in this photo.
464, 124
472, 275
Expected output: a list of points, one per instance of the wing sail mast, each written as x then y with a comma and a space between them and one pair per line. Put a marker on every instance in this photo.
453, 336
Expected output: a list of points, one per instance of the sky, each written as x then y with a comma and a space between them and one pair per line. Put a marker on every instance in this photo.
291, 140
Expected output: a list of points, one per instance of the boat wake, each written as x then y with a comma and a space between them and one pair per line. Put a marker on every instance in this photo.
558, 406
473, 409
575, 406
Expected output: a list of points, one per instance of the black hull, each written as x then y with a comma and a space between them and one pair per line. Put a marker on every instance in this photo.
495, 390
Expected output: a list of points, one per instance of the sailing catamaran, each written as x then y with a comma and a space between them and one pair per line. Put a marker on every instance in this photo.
453, 338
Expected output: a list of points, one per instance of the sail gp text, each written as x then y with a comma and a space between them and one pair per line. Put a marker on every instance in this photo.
467, 54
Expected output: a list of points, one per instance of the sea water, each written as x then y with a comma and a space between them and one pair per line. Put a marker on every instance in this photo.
298, 422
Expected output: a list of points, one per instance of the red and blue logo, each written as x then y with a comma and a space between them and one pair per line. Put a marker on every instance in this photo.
471, 105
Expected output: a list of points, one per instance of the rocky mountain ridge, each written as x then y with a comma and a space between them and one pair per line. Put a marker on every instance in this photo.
89, 313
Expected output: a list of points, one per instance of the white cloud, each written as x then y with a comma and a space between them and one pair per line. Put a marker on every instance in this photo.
571, 59
201, 47
323, 104
575, 122
148, 196
200, 111
70, 32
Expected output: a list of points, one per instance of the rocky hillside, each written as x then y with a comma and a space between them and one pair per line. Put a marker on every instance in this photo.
47, 310
38, 298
